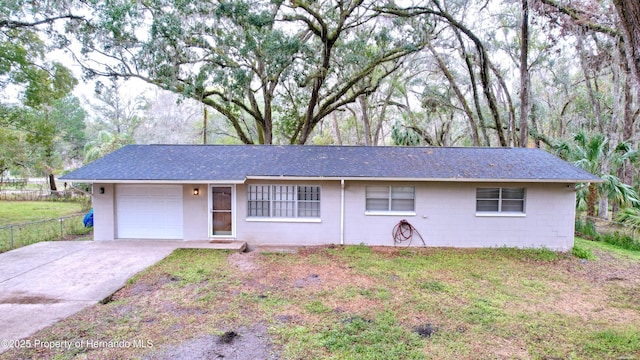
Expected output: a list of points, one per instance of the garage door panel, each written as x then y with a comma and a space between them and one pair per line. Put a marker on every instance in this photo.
149, 212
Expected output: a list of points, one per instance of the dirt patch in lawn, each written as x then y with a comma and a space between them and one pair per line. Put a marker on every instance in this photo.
313, 275
147, 284
589, 294
607, 268
592, 306
244, 261
243, 343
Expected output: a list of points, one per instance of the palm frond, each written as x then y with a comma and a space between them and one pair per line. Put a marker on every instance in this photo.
619, 192
582, 191
563, 150
629, 216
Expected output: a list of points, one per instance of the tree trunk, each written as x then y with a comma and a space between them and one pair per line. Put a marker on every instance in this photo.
592, 198
524, 74
629, 13
366, 122
232, 118
617, 84
592, 97
267, 93
627, 170
459, 95
627, 112
355, 125
474, 88
52, 183
603, 208
382, 116
336, 129
491, 99
483, 59
603, 199
476, 100
534, 123
204, 126
562, 125
512, 115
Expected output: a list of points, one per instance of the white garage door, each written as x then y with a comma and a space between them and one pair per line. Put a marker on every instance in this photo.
149, 211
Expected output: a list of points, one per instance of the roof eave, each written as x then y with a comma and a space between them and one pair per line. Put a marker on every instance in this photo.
145, 181
329, 178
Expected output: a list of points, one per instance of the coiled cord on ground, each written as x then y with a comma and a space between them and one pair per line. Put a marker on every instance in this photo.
403, 232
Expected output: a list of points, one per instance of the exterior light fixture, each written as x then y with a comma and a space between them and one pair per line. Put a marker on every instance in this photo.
101, 190
196, 191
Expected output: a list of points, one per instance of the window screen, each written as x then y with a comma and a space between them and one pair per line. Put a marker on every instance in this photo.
308, 201
500, 199
390, 198
259, 200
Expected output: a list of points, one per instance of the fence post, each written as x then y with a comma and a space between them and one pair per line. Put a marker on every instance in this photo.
61, 220
11, 231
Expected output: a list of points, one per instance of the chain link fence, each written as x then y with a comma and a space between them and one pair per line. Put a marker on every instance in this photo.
64, 228
43, 195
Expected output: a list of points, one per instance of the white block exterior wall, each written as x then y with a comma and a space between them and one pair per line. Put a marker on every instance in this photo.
292, 231
196, 212
104, 212
445, 216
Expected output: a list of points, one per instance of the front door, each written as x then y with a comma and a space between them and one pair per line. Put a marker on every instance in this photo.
222, 211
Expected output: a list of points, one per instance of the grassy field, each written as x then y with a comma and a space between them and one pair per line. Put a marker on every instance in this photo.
609, 249
25, 212
357, 302
14, 212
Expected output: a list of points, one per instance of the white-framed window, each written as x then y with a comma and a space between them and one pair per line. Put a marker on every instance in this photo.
259, 200
500, 200
390, 198
283, 201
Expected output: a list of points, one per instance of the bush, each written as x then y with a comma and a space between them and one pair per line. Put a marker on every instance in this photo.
582, 253
621, 240
587, 230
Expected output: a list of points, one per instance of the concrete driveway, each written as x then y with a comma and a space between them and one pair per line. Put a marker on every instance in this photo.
46, 282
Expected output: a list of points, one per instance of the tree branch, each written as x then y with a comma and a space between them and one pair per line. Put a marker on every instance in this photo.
15, 24
580, 20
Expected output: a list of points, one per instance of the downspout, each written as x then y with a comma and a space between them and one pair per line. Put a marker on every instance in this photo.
341, 211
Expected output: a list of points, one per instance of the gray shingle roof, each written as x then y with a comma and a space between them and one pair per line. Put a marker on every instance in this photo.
237, 162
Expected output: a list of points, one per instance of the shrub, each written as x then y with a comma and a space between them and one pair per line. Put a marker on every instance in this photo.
582, 253
587, 230
621, 240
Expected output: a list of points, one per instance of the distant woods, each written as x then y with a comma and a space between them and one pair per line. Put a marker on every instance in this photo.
483, 73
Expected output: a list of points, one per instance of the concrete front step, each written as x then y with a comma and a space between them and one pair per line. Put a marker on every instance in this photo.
239, 246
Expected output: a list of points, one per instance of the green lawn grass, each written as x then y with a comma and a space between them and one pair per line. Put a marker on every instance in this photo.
29, 225
15, 212
357, 302
609, 248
